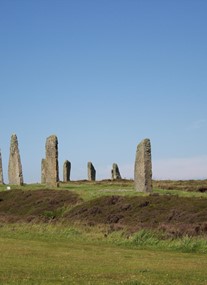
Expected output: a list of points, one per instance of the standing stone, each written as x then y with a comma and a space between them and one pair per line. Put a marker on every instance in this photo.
15, 167
115, 174
91, 172
143, 167
112, 174
51, 165
1, 171
66, 171
43, 171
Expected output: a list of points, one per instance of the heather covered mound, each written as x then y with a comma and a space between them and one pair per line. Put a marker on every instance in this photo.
170, 214
173, 215
19, 205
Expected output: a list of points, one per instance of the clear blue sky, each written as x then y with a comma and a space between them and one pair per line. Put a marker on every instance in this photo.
102, 75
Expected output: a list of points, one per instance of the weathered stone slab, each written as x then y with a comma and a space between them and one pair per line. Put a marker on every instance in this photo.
66, 170
1, 171
15, 167
43, 171
143, 167
52, 167
115, 173
91, 172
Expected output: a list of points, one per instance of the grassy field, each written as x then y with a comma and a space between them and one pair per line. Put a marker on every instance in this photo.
49, 247
56, 255
90, 190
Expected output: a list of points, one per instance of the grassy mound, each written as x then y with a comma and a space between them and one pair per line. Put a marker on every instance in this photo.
129, 211
176, 216
20, 205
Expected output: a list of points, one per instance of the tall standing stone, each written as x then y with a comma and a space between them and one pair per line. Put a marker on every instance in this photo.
115, 173
15, 167
91, 172
43, 171
143, 167
51, 165
1, 171
66, 170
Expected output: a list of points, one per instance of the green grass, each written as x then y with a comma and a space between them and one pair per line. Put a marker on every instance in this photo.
144, 239
91, 190
149, 239
48, 254
63, 254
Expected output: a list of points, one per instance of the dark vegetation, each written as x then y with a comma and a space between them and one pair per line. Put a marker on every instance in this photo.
171, 215
35, 205
184, 185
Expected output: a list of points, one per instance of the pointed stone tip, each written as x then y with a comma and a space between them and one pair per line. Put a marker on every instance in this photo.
90, 164
66, 163
14, 140
13, 135
146, 140
52, 137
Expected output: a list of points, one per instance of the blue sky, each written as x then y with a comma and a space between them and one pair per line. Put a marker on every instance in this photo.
102, 75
